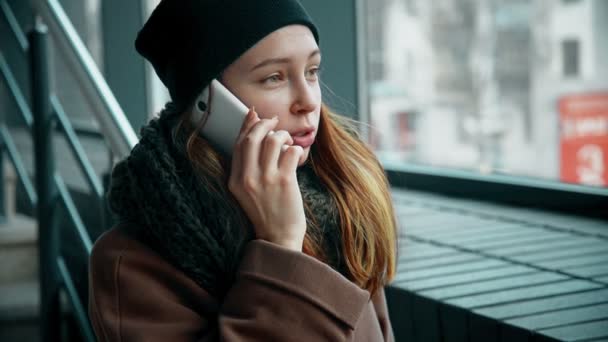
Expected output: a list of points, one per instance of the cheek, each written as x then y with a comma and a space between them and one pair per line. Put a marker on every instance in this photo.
318, 92
270, 109
319, 98
267, 105
264, 104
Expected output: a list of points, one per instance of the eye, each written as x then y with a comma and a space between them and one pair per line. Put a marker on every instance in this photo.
313, 72
275, 78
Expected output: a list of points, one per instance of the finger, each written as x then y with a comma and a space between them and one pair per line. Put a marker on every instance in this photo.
250, 119
289, 159
251, 145
271, 149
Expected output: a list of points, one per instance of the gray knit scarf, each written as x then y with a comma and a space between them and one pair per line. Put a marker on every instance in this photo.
199, 228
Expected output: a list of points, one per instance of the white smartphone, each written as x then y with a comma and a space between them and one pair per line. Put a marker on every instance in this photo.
224, 114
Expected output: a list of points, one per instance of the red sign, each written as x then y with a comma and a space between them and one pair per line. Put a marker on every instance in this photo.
584, 138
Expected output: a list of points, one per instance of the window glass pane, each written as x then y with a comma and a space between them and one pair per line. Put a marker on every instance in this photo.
570, 51
496, 86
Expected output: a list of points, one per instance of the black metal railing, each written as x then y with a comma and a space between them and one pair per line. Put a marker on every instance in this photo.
44, 119
8, 144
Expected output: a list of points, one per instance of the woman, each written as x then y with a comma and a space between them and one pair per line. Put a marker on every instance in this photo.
290, 239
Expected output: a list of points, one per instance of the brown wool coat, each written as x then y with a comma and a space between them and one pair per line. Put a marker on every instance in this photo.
278, 295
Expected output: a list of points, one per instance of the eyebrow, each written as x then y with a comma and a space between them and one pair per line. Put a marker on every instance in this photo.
282, 60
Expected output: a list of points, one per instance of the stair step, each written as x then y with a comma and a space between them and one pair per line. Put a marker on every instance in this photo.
19, 311
19, 229
18, 250
20, 330
19, 301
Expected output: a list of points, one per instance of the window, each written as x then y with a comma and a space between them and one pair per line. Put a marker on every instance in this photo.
570, 52
479, 86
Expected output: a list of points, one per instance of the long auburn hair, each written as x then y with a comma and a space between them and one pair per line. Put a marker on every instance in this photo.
355, 180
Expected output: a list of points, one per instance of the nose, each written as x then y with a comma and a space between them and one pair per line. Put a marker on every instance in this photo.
305, 98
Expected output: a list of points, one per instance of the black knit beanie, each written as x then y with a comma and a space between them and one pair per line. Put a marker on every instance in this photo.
190, 42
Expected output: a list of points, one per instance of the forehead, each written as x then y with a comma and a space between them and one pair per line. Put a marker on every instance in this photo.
293, 41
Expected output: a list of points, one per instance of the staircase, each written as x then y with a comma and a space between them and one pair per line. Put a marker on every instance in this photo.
44, 264
19, 286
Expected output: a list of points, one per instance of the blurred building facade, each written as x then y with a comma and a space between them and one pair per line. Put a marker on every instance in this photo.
476, 84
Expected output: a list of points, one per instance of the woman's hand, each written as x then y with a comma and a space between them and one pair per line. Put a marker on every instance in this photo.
263, 180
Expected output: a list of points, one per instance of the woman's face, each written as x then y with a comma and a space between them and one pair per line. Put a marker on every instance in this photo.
279, 76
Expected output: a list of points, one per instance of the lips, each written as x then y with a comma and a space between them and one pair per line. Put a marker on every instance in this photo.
304, 138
